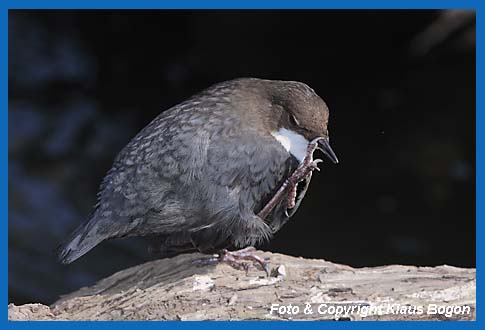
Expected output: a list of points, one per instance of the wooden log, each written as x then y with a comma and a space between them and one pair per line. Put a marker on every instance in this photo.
179, 289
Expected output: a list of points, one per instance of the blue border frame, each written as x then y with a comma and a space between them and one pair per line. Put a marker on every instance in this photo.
239, 4
5, 5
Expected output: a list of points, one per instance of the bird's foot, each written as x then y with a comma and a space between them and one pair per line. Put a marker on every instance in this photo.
236, 259
293, 192
307, 165
289, 187
302, 172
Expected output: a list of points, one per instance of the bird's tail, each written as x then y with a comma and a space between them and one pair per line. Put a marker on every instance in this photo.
81, 241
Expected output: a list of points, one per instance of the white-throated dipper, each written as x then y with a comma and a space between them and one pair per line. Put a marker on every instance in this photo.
216, 171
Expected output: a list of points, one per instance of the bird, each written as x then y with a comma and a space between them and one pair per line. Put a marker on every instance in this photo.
210, 173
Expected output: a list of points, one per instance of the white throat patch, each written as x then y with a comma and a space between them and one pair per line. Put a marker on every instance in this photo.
293, 142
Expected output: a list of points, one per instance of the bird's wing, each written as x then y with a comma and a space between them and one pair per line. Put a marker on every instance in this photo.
252, 167
201, 173
247, 169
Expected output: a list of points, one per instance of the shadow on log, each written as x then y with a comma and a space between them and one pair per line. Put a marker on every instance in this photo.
176, 289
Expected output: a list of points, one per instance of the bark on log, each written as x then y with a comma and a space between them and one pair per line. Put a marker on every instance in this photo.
176, 289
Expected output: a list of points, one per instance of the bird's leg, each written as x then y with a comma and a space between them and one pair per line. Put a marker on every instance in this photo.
294, 190
302, 172
307, 165
292, 196
292, 199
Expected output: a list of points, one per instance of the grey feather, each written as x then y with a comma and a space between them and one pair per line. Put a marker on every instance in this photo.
197, 175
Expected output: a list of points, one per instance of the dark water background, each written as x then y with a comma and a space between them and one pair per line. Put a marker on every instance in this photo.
81, 84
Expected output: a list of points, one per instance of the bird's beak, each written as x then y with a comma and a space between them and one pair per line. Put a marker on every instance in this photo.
325, 147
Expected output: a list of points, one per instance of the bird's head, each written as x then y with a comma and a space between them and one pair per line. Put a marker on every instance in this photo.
301, 115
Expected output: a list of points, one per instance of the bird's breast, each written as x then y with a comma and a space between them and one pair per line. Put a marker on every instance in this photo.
294, 143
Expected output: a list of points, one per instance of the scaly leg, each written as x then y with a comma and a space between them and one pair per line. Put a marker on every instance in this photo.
236, 259
302, 171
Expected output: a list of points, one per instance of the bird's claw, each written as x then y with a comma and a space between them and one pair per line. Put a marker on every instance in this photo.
302, 172
236, 259
314, 164
314, 142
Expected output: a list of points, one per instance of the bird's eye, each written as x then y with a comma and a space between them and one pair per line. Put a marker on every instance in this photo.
294, 121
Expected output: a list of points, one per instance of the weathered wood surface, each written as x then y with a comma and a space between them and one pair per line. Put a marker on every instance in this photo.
176, 289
